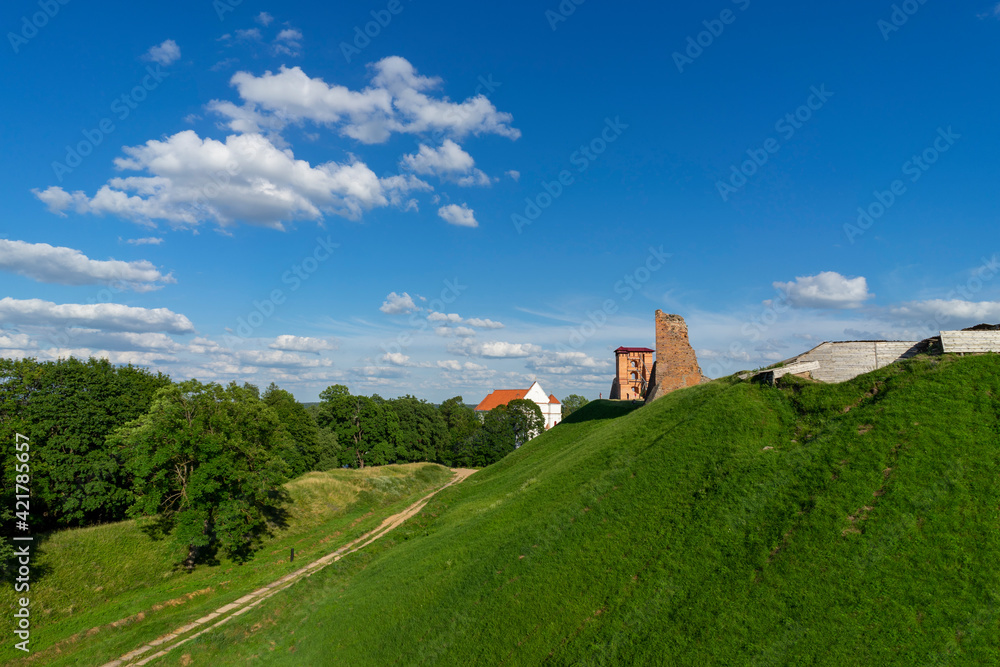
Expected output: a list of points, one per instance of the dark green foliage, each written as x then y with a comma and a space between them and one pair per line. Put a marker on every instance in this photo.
423, 432
463, 424
67, 409
504, 429
572, 403
366, 428
206, 459
309, 450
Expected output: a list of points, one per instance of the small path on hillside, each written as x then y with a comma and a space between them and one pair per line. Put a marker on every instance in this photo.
196, 628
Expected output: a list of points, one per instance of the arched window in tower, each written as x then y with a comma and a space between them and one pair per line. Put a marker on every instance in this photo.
634, 363
634, 377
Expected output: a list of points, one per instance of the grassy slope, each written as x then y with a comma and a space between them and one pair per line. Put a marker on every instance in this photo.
671, 536
93, 577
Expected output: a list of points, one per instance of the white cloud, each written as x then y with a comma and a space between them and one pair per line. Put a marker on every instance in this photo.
66, 266
462, 216
263, 185
280, 358
148, 240
494, 349
264, 19
164, 53
444, 317
514, 175
397, 304
107, 316
448, 161
483, 323
396, 101
122, 341
301, 344
828, 289
565, 362
252, 34
396, 359
453, 365
288, 42
942, 311
16, 341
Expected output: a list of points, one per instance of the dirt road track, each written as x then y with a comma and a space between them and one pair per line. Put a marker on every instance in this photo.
200, 626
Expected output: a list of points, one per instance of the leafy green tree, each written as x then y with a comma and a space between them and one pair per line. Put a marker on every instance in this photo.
206, 459
463, 423
67, 408
572, 403
423, 433
504, 429
367, 428
309, 450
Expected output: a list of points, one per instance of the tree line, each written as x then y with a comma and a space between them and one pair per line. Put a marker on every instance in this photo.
113, 442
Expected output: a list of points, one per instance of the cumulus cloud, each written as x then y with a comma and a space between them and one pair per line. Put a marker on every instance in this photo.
280, 359
944, 310
562, 363
514, 175
301, 344
448, 162
483, 323
15, 341
263, 185
106, 316
828, 289
264, 19
444, 317
122, 341
398, 304
396, 101
396, 359
148, 240
164, 53
460, 215
494, 349
288, 42
66, 266
453, 365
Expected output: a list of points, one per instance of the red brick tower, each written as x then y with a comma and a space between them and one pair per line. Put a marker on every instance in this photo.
632, 368
676, 365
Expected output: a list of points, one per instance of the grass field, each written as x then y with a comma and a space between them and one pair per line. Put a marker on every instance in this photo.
726, 524
99, 592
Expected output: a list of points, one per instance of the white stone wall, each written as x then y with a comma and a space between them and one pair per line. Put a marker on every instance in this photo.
970, 342
845, 360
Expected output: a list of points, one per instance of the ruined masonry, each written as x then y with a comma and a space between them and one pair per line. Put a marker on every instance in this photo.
676, 365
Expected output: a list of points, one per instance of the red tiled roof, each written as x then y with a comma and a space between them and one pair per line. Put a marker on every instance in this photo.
553, 399
500, 397
634, 349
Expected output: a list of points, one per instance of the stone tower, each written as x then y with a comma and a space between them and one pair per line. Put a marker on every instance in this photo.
632, 368
676, 365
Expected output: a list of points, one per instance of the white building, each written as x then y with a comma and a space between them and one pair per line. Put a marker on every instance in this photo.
550, 406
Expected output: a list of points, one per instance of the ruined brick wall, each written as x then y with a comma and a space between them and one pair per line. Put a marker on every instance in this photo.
676, 365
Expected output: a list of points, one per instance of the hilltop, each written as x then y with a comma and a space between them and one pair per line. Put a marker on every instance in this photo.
727, 523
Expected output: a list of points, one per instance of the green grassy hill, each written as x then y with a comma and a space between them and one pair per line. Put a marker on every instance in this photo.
728, 524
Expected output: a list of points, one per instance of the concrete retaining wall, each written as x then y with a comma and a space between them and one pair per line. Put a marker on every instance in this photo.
970, 342
845, 360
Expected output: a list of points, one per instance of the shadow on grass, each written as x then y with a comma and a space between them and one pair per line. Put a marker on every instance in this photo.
602, 409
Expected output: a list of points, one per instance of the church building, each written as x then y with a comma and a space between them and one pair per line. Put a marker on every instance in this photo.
550, 406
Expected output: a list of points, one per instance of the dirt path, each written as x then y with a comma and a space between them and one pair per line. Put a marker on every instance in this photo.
198, 627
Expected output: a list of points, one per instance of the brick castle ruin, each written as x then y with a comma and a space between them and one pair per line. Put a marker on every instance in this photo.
675, 366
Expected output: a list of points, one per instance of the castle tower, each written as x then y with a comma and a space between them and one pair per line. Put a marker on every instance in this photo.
676, 365
632, 368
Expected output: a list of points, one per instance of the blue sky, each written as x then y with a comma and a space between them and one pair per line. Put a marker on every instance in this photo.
469, 197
